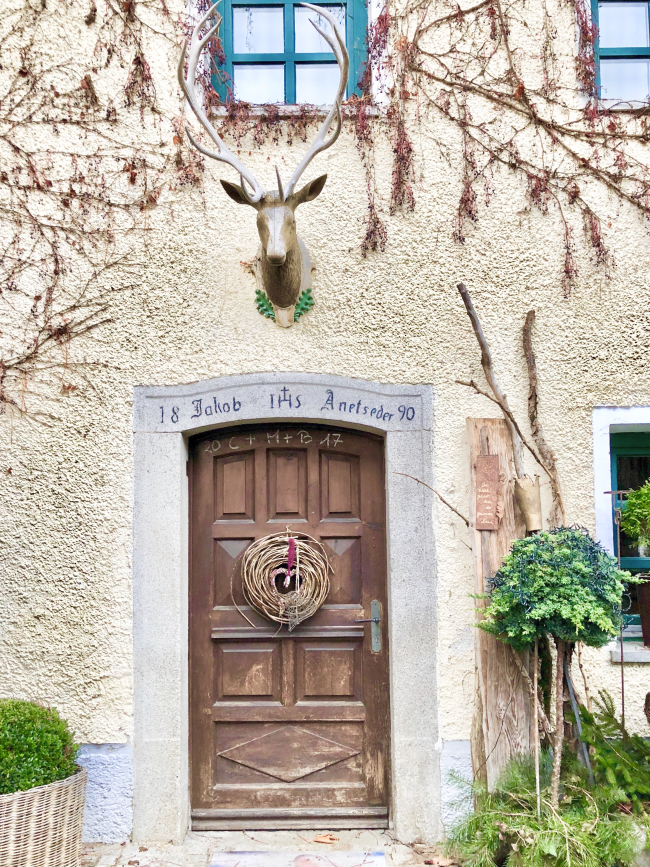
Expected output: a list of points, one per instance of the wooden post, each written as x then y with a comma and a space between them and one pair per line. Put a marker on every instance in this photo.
503, 718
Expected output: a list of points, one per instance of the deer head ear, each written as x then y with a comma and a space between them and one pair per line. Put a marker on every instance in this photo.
235, 192
310, 190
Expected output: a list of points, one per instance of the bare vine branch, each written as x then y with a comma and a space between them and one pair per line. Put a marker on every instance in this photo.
76, 187
440, 497
558, 517
541, 715
488, 370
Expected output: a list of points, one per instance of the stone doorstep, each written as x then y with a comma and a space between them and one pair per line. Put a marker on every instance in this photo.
198, 848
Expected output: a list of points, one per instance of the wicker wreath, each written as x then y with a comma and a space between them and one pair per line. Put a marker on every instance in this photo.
285, 577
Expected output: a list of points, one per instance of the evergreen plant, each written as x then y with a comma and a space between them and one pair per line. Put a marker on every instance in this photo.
619, 759
586, 829
559, 583
36, 746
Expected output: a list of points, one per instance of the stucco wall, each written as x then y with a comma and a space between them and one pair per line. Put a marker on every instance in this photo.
183, 310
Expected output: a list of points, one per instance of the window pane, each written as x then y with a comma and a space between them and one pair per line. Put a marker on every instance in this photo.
259, 82
624, 79
632, 471
258, 29
308, 40
317, 83
623, 25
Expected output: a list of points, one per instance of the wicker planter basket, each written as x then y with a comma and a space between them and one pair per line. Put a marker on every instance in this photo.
42, 827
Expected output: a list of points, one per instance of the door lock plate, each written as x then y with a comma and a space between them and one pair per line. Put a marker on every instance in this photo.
375, 625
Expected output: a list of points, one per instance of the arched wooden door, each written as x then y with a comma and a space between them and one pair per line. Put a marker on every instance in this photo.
288, 729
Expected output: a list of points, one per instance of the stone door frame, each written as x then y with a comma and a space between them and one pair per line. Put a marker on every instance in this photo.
164, 418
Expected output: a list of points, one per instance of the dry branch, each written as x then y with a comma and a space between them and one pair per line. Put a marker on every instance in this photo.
548, 456
544, 455
559, 722
541, 715
440, 497
488, 369
506, 411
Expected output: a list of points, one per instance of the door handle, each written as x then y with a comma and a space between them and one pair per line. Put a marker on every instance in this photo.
375, 625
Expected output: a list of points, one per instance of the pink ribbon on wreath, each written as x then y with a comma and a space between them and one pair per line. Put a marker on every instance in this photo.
291, 555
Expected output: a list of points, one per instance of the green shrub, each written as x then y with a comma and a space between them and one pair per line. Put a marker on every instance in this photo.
559, 582
36, 746
618, 759
585, 829
635, 519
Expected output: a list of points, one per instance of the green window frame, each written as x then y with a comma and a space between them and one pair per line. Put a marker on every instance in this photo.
356, 14
630, 444
614, 53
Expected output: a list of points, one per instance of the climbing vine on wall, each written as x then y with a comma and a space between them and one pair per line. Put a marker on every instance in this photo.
74, 190
488, 85
517, 99
494, 71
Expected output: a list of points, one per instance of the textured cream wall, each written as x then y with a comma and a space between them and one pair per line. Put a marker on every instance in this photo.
394, 317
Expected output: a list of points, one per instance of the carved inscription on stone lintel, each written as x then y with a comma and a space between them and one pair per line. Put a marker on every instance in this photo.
487, 492
243, 402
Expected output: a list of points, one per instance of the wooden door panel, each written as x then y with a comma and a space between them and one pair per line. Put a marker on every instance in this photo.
227, 570
328, 670
340, 494
248, 670
287, 475
234, 479
345, 581
287, 724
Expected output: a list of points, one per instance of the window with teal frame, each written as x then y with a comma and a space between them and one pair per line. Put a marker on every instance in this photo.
274, 55
622, 49
630, 456
630, 463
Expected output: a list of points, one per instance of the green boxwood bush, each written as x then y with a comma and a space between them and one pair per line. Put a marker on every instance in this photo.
560, 583
36, 746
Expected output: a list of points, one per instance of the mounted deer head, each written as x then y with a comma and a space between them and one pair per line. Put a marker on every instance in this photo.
284, 258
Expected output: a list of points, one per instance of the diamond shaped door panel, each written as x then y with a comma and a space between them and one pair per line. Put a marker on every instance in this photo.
345, 580
287, 729
226, 563
289, 753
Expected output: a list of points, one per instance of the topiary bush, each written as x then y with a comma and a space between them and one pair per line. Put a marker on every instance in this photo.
560, 583
36, 746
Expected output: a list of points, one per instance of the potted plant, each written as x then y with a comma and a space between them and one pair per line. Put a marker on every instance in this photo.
635, 520
42, 789
635, 523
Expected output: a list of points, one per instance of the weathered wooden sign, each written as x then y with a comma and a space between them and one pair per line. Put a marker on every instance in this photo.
487, 492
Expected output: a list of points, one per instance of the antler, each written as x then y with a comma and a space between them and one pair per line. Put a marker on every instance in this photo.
321, 143
197, 45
